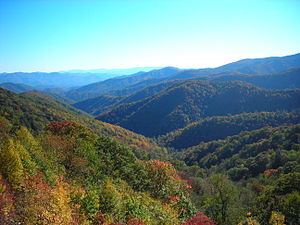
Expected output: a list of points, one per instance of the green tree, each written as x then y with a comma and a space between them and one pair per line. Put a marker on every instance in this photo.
220, 199
282, 197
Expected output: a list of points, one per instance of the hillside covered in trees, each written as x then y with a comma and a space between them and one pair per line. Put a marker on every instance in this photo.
263, 165
190, 101
225, 151
270, 72
219, 127
35, 110
64, 172
59, 166
69, 175
149, 112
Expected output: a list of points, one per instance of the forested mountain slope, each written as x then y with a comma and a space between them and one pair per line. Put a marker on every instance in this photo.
96, 106
219, 127
249, 153
67, 174
284, 80
60, 166
139, 81
288, 79
35, 110
263, 65
17, 88
259, 66
99, 88
264, 167
190, 101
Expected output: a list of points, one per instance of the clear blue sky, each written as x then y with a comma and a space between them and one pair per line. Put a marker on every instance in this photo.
53, 35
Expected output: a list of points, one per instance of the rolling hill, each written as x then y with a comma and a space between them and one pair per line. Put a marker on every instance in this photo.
190, 101
57, 171
35, 110
263, 65
288, 79
246, 70
220, 127
17, 88
249, 153
98, 105
99, 88
58, 165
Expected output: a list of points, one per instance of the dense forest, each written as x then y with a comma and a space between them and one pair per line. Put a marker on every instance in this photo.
216, 150
190, 101
61, 169
35, 110
103, 103
66, 173
69, 175
219, 127
103, 87
263, 166
284, 80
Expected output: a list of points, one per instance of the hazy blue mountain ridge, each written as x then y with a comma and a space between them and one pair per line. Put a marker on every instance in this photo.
248, 70
17, 88
99, 88
42, 80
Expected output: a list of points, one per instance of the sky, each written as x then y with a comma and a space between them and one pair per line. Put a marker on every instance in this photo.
55, 35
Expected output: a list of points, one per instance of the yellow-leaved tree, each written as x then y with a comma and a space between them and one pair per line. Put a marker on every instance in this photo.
10, 163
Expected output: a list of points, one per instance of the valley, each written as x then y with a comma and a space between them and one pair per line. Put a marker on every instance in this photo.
164, 146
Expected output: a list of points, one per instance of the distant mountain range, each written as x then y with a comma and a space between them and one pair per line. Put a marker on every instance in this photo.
115, 71
96, 89
259, 72
287, 79
67, 79
163, 100
263, 65
106, 102
40, 80
93, 83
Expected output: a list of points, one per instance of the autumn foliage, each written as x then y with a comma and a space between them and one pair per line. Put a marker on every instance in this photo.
199, 219
69, 175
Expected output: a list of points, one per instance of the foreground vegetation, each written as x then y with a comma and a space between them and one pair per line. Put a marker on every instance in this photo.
67, 174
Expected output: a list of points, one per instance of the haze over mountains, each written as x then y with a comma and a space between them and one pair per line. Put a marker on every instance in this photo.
234, 71
162, 100
149, 112
115, 71
152, 147
67, 79
263, 66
